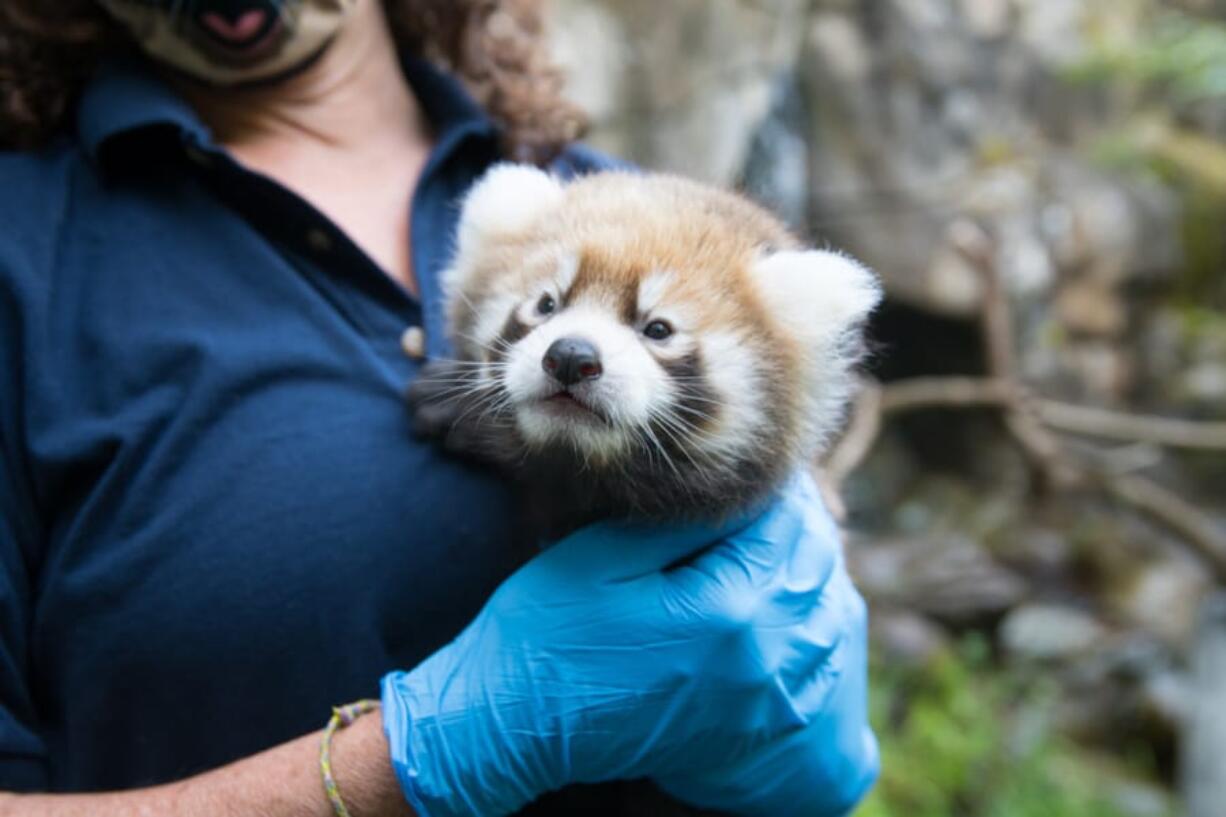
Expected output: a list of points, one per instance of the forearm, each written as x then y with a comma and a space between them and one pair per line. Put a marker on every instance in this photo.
281, 782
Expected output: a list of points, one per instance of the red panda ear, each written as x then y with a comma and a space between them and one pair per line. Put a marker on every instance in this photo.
819, 294
505, 201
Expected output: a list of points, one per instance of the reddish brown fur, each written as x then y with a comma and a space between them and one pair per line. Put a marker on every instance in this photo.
626, 226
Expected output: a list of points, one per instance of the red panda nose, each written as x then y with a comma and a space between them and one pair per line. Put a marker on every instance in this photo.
572, 360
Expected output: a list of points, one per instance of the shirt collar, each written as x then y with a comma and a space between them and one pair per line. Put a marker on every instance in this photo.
126, 98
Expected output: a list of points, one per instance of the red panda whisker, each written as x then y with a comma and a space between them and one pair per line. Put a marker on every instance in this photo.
664, 456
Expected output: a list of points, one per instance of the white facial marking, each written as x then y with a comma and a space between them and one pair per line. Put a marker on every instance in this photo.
733, 373
653, 304
564, 274
492, 317
652, 290
630, 387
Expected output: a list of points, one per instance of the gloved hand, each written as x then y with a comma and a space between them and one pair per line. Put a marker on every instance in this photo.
826, 768
603, 658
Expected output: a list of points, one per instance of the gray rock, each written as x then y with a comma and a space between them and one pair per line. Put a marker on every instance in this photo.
1205, 383
1163, 597
905, 638
1139, 798
678, 86
1047, 632
1052, 29
776, 169
1043, 555
1203, 764
986, 19
949, 578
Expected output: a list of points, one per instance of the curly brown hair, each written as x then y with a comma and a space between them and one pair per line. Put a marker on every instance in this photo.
48, 50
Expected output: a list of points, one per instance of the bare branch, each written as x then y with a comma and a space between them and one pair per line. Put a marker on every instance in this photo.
1039, 445
1192, 524
878, 401
1114, 425
944, 392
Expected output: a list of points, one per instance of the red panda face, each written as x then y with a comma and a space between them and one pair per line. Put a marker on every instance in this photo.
613, 361
635, 316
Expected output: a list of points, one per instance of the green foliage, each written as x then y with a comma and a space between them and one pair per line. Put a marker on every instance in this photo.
1194, 167
1183, 56
961, 738
1172, 63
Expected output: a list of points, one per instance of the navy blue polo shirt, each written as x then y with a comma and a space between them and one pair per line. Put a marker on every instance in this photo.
214, 523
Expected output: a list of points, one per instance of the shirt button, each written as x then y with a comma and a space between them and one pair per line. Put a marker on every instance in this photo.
197, 156
413, 342
318, 240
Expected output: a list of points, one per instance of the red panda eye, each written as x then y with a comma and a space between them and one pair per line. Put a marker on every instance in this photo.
658, 330
546, 305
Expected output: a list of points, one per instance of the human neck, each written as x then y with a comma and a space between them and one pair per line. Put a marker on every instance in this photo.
346, 134
352, 98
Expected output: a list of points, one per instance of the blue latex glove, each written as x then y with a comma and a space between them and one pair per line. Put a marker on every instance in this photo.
603, 659
824, 769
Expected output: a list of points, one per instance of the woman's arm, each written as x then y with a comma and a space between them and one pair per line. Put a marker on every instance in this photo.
280, 782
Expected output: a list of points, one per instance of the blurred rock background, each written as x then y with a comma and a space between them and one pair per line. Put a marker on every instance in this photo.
1042, 186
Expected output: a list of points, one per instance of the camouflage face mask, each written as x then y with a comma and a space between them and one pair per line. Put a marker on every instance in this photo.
232, 42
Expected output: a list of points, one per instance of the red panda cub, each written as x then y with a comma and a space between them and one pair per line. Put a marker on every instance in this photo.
639, 346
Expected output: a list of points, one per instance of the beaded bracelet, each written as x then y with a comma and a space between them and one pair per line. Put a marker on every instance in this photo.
342, 716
